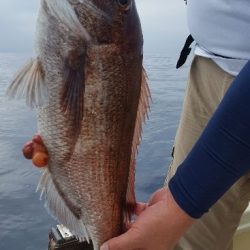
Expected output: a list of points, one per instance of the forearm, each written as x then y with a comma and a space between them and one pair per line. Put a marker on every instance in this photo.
177, 220
221, 155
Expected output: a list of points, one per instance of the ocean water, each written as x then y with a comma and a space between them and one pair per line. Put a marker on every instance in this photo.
24, 222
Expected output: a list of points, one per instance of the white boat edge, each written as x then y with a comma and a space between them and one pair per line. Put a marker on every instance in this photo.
242, 236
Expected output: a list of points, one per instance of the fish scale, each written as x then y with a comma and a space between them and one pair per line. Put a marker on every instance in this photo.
91, 94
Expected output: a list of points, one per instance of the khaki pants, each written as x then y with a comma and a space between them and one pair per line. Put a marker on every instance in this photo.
206, 87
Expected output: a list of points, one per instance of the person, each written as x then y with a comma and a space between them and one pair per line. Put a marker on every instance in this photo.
208, 184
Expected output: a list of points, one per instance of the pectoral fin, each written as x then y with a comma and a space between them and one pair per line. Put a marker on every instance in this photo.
72, 100
29, 84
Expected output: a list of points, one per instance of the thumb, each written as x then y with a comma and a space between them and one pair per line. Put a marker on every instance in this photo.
127, 241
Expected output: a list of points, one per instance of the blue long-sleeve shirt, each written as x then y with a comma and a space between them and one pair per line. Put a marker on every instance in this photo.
220, 156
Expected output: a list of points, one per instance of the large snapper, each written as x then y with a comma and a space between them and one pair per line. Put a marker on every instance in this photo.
90, 89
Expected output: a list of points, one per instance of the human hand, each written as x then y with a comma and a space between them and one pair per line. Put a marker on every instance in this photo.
159, 225
36, 150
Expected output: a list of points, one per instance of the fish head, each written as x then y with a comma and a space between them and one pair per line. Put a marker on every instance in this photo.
112, 22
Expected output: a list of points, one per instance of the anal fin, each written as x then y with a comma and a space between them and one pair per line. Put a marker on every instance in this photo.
58, 209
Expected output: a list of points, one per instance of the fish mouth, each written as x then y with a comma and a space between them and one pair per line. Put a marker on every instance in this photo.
95, 10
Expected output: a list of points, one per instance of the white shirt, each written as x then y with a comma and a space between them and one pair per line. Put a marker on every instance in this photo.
221, 27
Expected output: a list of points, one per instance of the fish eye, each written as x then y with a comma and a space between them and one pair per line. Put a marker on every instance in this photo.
125, 4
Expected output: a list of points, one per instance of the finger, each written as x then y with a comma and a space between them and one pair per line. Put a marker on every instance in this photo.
28, 150
40, 156
39, 147
129, 224
140, 207
159, 195
40, 159
127, 241
38, 144
38, 139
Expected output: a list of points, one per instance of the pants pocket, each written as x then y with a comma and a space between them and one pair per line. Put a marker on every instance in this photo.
170, 168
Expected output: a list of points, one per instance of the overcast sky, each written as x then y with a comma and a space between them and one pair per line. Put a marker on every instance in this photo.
163, 22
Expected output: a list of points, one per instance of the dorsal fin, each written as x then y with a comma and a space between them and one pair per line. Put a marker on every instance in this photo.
72, 99
29, 84
142, 112
63, 11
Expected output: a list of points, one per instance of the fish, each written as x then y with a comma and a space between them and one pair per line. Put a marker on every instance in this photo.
89, 88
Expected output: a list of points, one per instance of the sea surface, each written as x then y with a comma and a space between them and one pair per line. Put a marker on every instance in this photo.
24, 222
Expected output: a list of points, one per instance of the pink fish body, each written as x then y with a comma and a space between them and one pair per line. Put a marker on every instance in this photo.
91, 94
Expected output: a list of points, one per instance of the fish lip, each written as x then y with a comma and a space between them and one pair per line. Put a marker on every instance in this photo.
97, 12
